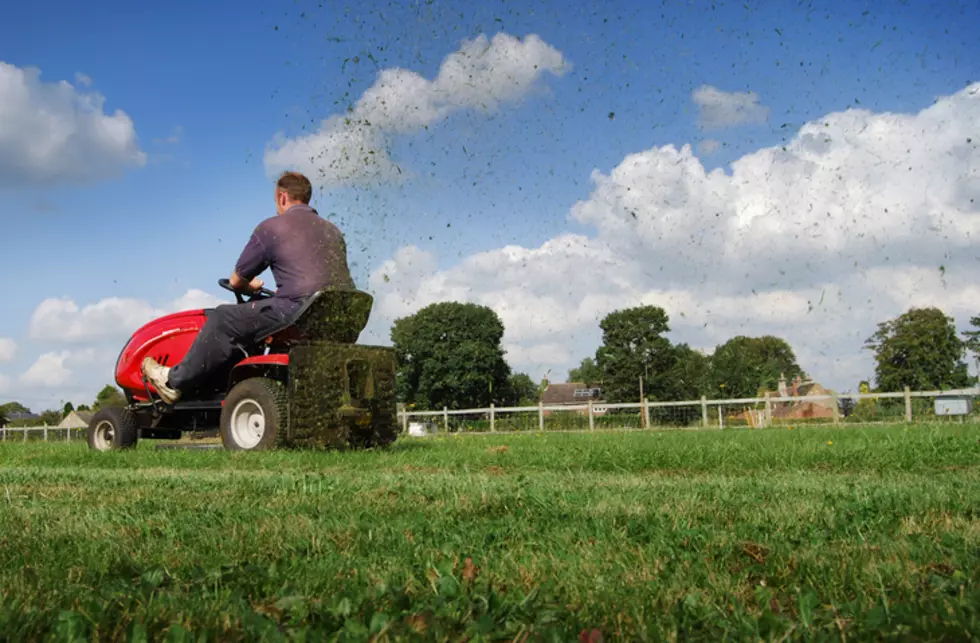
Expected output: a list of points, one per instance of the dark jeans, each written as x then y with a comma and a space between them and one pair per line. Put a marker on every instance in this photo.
227, 325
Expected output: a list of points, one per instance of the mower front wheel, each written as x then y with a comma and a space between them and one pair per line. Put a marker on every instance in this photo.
112, 429
253, 415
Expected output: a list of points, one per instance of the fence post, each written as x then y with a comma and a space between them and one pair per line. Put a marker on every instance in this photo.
445, 418
404, 418
768, 410
704, 412
492, 428
908, 404
591, 418
540, 415
721, 420
45, 431
25, 433
836, 409
646, 413
68, 434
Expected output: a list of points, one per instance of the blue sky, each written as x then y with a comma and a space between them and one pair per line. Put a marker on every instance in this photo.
228, 77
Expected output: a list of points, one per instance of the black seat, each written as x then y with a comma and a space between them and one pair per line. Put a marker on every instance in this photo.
327, 316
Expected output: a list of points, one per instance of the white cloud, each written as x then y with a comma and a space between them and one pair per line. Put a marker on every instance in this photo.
718, 109
62, 319
53, 370
53, 133
8, 349
353, 148
859, 217
83, 79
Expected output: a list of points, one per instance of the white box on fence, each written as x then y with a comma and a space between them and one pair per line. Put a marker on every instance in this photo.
417, 429
953, 405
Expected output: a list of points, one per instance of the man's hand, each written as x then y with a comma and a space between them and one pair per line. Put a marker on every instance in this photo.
239, 284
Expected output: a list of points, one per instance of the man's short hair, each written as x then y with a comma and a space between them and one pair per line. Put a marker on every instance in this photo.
296, 185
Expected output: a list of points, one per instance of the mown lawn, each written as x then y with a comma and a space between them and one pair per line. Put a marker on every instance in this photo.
809, 534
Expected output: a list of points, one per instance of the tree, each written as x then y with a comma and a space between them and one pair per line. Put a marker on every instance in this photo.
3, 418
523, 390
690, 376
633, 346
83, 407
449, 354
587, 372
51, 417
743, 366
972, 338
13, 407
109, 397
68, 408
919, 349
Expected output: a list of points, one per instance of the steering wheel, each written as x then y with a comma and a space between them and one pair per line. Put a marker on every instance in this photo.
261, 293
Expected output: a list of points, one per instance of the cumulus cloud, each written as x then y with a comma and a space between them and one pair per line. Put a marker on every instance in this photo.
53, 133
61, 319
353, 148
54, 369
859, 217
8, 349
718, 109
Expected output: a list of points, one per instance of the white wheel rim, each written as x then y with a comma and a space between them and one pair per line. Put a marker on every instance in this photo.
247, 423
102, 435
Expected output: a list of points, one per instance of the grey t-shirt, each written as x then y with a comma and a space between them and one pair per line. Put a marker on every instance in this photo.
305, 252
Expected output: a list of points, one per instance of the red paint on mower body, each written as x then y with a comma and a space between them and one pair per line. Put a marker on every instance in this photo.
166, 339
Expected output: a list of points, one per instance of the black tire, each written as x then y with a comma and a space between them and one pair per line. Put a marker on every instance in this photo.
112, 429
264, 402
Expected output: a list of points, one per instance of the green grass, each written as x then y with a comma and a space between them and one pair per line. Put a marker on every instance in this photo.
810, 534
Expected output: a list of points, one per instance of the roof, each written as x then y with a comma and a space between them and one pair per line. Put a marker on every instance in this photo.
570, 393
21, 415
76, 420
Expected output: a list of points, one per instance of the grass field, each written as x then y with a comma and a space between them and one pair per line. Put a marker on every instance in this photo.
810, 534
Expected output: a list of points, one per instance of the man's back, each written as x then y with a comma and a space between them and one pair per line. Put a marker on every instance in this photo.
305, 252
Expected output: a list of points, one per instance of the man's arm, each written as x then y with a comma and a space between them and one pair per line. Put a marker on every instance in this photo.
250, 264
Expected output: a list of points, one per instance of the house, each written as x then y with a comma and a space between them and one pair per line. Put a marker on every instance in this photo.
18, 418
76, 420
797, 409
572, 394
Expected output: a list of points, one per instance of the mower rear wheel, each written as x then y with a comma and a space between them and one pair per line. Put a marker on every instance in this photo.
254, 415
112, 429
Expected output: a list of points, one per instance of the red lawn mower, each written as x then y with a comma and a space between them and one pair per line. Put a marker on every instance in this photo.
307, 384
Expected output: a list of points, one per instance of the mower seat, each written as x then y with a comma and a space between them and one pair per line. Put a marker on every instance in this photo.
326, 316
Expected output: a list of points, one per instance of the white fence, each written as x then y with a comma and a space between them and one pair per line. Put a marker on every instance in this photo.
749, 412
44, 432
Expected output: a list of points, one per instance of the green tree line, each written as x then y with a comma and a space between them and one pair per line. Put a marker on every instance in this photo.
450, 354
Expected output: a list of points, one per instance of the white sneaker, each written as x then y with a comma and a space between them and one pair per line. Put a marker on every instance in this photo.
157, 376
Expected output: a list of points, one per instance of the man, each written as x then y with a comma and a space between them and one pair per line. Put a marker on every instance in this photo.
306, 254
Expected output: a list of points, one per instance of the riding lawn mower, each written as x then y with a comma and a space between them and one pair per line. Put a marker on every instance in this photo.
307, 384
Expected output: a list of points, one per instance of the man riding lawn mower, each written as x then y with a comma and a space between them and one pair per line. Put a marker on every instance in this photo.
276, 369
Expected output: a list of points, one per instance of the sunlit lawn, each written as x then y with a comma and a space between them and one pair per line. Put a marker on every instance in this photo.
814, 532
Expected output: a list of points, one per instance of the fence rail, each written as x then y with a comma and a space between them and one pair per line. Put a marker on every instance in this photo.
43, 432
751, 412
748, 412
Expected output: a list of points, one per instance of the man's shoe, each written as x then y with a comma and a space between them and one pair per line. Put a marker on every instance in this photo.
157, 376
